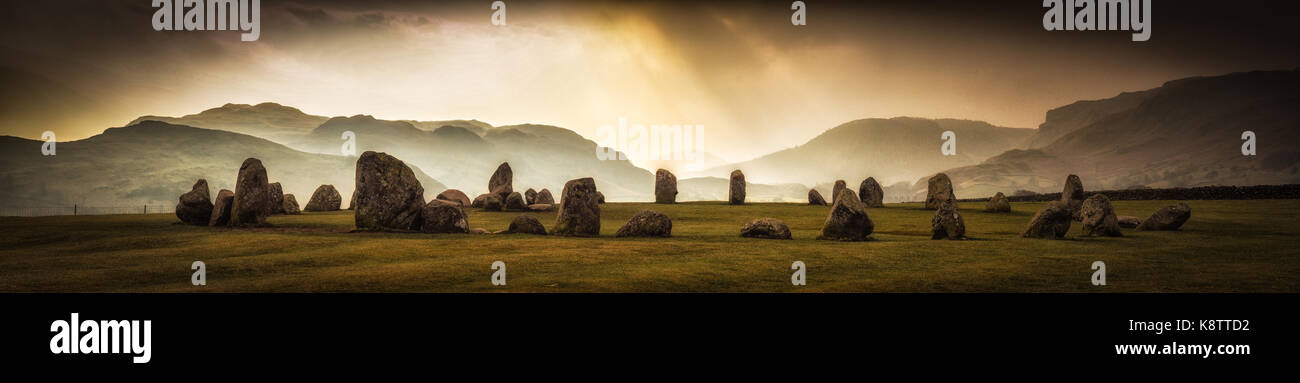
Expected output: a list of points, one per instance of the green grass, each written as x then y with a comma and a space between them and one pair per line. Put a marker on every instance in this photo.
1227, 246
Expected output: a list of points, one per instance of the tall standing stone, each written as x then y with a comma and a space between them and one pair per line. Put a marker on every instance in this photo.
277, 198
221, 208
502, 181
840, 186
252, 202
871, 193
195, 206
1072, 196
579, 213
389, 197
665, 187
938, 191
736, 194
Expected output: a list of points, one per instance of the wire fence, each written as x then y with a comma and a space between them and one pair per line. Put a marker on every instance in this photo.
44, 211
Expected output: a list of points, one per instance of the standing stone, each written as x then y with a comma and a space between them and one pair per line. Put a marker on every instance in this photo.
815, 198
291, 205
998, 204
442, 216
848, 219
767, 228
252, 195
1099, 217
1169, 217
454, 195
947, 223
647, 223
736, 195
326, 198
665, 187
579, 213
493, 202
277, 198
195, 206
525, 224
502, 181
480, 201
515, 202
1128, 221
530, 196
1052, 222
840, 186
221, 209
1072, 196
938, 190
389, 197
544, 197
870, 193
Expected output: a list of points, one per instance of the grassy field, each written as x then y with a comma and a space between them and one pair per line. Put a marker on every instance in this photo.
1227, 246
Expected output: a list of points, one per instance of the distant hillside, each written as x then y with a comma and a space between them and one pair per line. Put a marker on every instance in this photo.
154, 162
891, 150
1185, 133
267, 120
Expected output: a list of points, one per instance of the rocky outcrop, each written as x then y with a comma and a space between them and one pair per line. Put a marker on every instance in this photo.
848, 219
767, 228
195, 206
579, 213
647, 223
389, 197
665, 187
326, 198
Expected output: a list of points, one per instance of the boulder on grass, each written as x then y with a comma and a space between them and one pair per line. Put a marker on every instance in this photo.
195, 206
1128, 221
525, 224
840, 185
444, 217
665, 187
502, 181
389, 197
1099, 217
1169, 217
544, 197
515, 202
815, 198
541, 207
326, 198
647, 223
870, 193
252, 196
454, 195
530, 196
579, 213
493, 202
221, 209
277, 198
291, 205
938, 190
998, 204
768, 228
1052, 222
848, 219
736, 193
480, 201
947, 223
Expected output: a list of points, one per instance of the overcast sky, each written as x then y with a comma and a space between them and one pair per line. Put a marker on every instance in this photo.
740, 69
